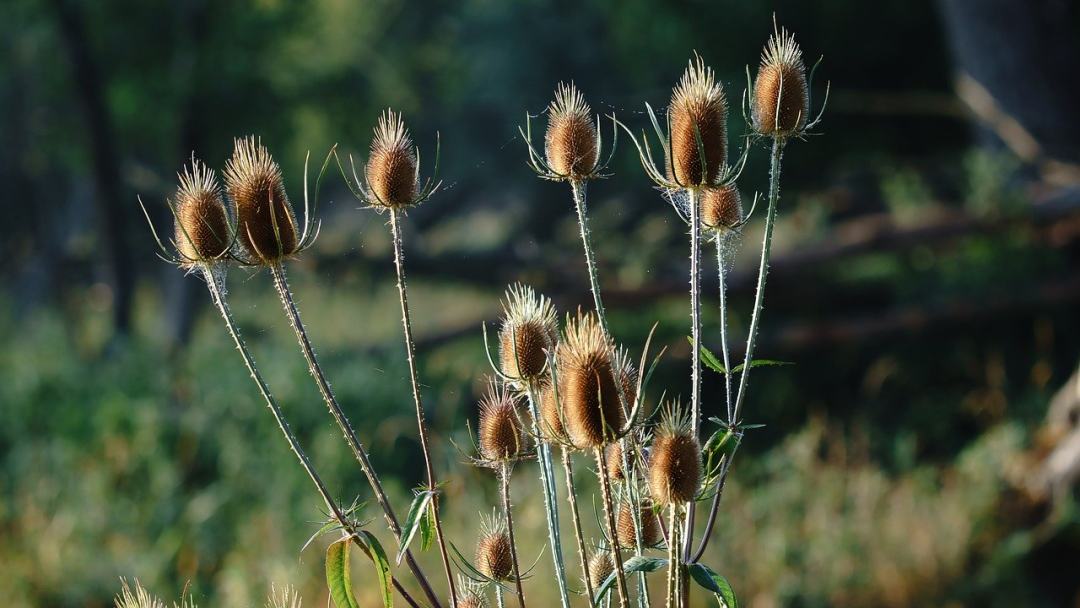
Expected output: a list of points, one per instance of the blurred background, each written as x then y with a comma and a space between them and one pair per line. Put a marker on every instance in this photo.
922, 450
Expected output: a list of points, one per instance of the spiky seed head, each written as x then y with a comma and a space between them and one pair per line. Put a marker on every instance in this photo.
601, 566
570, 143
138, 597
265, 223
781, 102
202, 231
284, 597
501, 436
627, 377
470, 594
613, 458
675, 460
624, 526
529, 331
721, 208
587, 384
392, 176
551, 419
698, 108
494, 555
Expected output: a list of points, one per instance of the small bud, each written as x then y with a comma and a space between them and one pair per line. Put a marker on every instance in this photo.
624, 527
600, 567
587, 385
675, 461
266, 226
392, 175
202, 224
571, 143
781, 101
499, 429
494, 556
529, 331
698, 109
721, 208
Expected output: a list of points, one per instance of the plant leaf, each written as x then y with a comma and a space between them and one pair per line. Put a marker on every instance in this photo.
708, 358
427, 528
337, 574
638, 563
417, 512
382, 565
759, 363
709, 579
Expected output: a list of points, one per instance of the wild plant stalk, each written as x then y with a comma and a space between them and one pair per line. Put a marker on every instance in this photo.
581, 204
215, 282
504, 487
571, 496
673, 556
609, 513
693, 196
406, 323
281, 284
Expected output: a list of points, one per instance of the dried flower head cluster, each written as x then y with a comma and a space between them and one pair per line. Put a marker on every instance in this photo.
529, 332
571, 143
202, 231
588, 390
697, 119
650, 526
501, 436
392, 169
781, 98
721, 208
265, 223
675, 460
494, 555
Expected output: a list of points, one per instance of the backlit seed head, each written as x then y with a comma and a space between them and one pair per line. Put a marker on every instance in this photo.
624, 526
470, 594
587, 384
675, 460
265, 223
628, 377
529, 331
571, 143
601, 566
392, 169
698, 108
202, 231
494, 556
551, 424
781, 101
721, 208
501, 436
613, 457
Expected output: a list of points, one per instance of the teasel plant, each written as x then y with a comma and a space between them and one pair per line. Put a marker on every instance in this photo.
207, 238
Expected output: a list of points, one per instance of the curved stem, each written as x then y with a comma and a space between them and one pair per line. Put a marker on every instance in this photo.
406, 323
504, 487
216, 285
571, 494
281, 283
551, 505
609, 512
711, 522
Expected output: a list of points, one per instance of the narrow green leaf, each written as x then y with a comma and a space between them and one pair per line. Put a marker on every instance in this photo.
638, 563
708, 358
760, 363
382, 565
427, 528
337, 574
417, 512
709, 579
328, 526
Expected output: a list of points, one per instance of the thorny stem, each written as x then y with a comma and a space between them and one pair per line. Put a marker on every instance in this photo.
281, 283
551, 506
216, 284
581, 205
720, 484
571, 493
629, 474
695, 334
406, 323
609, 513
504, 485
499, 597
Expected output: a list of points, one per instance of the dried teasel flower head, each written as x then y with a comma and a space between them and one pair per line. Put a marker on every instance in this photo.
721, 208
624, 526
697, 119
202, 232
588, 389
627, 377
470, 594
675, 460
551, 416
529, 332
265, 222
601, 566
501, 436
571, 144
613, 459
392, 171
781, 99
494, 555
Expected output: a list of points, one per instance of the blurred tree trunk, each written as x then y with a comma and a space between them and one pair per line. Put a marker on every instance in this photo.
1025, 54
112, 210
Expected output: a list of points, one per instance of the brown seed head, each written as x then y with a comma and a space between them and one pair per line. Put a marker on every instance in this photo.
698, 107
571, 142
675, 461
781, 102
529, 331
551, 426
494, 556
721, 208
600, 567
470, 594
613, 457
628, 377
392, 175
587, 385
624, 526
202, 225
501, 436
265, 223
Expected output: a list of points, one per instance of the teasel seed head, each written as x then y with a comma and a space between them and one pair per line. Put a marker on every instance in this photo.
675, 460
721, 208
470, 594
265, 223
392, 170
571, 143
494, 555
624, 526
551, 419
781, 100
587, 384
601, 566
627, 376
202, 232
529, 332
698, 107
500, 431
613, 458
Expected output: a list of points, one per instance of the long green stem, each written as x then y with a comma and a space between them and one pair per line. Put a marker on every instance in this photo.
609, 513
551, 505
725, 351
406, 323
504, 485
581, 204
579, 537
281, 283
215, 282
673, 554
630, 475
695, 335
